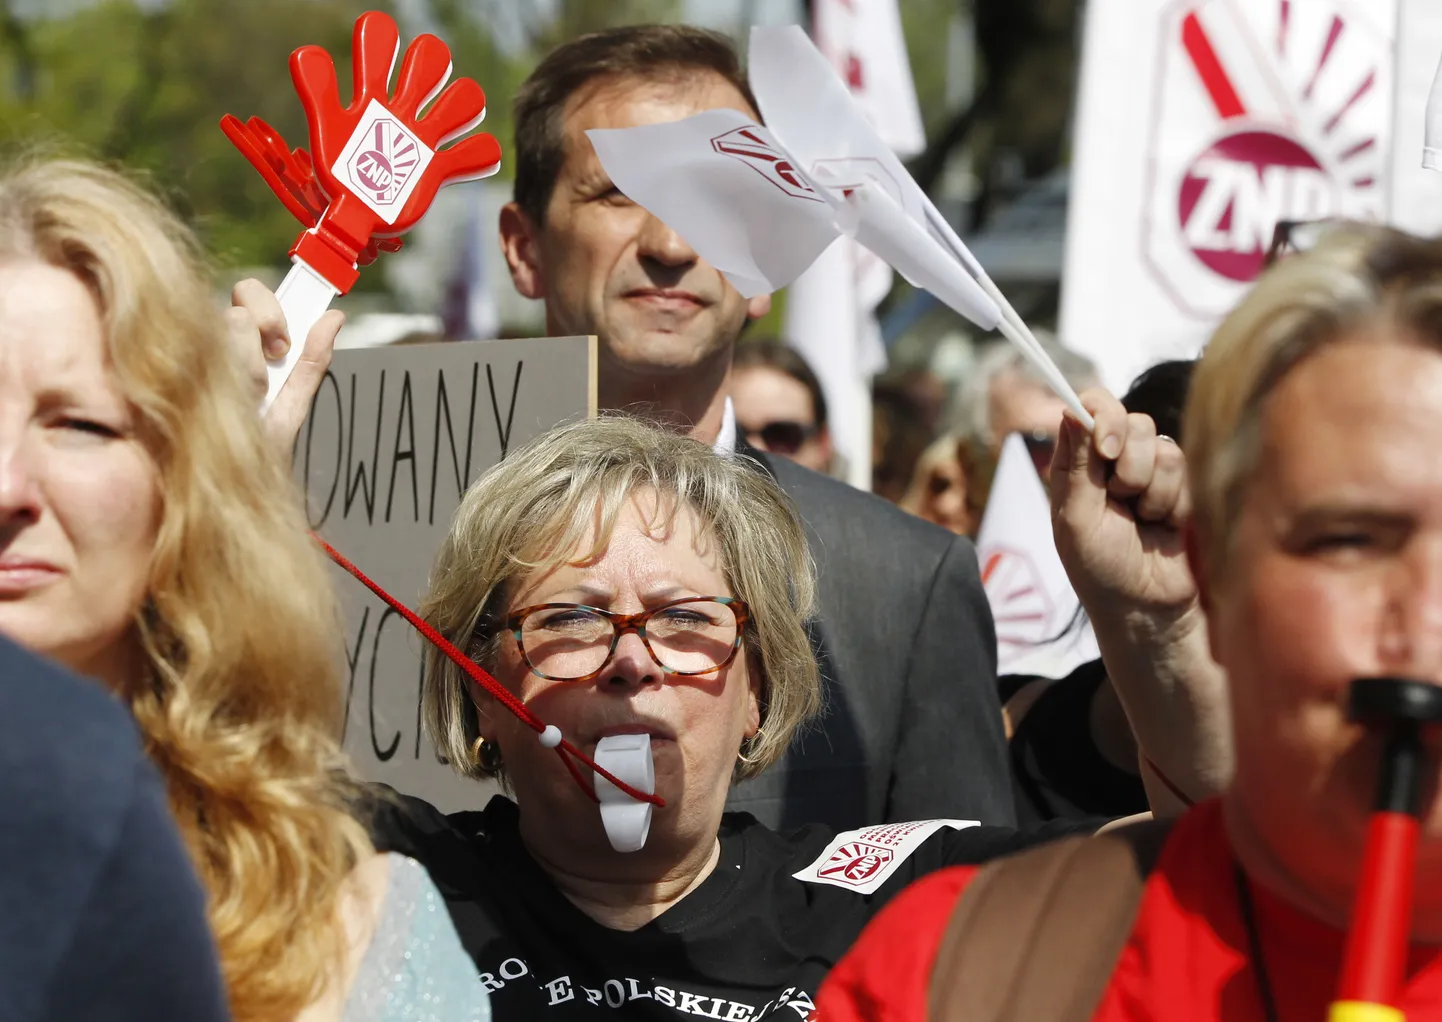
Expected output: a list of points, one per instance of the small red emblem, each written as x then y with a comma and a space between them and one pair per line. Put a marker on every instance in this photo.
747, 145
855, 863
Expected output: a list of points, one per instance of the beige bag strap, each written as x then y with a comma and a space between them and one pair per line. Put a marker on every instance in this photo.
1035, 936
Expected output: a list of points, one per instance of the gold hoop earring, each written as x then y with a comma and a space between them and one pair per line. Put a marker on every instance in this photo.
487, 755
753, 741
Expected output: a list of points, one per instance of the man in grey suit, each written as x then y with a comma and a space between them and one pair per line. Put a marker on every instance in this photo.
904, 636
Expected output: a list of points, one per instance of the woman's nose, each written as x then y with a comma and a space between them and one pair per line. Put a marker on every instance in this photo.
632, 664
19, 482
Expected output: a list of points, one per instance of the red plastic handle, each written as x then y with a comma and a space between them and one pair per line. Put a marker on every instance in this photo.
1375, 960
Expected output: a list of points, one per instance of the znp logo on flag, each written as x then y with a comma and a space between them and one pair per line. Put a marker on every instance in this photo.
1269, 110
748, 146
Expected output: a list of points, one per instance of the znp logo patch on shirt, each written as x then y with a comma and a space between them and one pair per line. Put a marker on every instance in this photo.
861, 860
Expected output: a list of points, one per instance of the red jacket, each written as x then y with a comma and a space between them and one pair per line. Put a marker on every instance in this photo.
1186, 960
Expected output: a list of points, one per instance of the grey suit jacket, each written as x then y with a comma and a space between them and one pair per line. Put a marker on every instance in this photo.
912, 728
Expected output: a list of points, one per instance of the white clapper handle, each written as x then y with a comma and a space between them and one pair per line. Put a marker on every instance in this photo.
304, 296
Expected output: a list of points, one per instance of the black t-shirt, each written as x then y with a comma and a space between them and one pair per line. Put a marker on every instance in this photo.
751, 942
1057, 770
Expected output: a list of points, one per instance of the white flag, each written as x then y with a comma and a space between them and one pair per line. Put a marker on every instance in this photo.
809, 111
720, 181
1038, 631
743, 202
831, 308
874, 218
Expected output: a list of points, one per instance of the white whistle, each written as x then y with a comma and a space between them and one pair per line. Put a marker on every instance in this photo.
304, 296
627, 821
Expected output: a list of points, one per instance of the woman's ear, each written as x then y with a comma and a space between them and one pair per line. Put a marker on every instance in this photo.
755, 686
484, 704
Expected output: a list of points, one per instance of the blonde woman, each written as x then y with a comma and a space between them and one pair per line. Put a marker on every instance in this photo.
1312, 429
624, 580
150, 541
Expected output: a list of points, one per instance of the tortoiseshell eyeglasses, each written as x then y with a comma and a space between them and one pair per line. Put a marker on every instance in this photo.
574, 642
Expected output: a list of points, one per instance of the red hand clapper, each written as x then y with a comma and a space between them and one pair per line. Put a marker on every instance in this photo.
291, 176
377, 163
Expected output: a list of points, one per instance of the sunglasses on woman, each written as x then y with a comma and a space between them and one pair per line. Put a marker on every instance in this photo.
782, 437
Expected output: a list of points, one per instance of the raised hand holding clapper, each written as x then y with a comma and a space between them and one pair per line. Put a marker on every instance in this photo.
377, 164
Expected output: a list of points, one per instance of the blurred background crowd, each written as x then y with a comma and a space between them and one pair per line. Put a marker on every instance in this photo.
143, 83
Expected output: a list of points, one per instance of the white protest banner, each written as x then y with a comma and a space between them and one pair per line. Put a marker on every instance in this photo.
1201, 123
1432, 142
1416, 191
395, 437
863, 40
1038, 629
831, 307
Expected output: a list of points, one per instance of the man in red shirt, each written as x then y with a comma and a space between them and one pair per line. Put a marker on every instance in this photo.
1312, 433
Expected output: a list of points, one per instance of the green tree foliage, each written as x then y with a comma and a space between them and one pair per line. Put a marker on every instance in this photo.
145, 88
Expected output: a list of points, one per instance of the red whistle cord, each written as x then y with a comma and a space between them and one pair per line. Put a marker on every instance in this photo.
565, 750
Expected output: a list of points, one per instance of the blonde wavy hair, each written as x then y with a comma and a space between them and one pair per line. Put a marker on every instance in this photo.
239, 703
1356, 277
529, 513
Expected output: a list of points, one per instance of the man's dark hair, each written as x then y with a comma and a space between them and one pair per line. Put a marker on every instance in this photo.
667, 53
773, 353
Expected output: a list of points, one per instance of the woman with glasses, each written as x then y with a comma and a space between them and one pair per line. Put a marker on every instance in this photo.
622, 580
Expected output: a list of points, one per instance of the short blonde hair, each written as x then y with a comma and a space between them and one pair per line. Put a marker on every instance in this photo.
240, 701
1356, 277
530, 512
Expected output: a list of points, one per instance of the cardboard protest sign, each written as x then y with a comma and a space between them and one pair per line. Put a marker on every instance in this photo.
1200, 125
394, 438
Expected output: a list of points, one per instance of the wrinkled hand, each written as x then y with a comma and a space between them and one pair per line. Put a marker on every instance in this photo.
424, 70
257, 332
1119, 501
